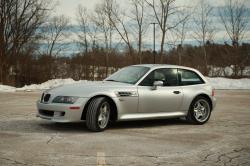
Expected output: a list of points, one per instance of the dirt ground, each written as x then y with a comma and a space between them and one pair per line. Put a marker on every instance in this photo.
224, 140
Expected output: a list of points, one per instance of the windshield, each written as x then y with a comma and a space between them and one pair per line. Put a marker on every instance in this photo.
129, 74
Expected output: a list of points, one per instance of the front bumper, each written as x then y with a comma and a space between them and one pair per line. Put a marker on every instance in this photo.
61, 112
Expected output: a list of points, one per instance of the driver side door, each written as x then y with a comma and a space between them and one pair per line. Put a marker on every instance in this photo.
166, 98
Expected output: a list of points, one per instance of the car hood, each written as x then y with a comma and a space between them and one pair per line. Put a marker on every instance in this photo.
91, 88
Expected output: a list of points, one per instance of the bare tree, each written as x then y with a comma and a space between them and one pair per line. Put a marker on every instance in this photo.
141, 25
181, 33
83, 20
102, 18
178, 36
19, 21
54, 34
235, 17
118, 21
88, 36
167, 16
204, 30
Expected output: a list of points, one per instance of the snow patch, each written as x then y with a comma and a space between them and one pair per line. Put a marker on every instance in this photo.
226, 83
46, 85
52, 83
6, 88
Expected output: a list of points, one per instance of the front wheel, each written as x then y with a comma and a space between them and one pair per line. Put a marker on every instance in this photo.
199, 111
98, 114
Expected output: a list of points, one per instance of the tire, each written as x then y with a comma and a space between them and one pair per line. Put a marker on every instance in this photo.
199, 111
98, 114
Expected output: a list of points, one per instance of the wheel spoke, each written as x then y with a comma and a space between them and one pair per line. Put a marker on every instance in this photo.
197, 115
203, 110
103, 121
104, 115
101, 111
196, 106
199, 105
104, 109
100, 118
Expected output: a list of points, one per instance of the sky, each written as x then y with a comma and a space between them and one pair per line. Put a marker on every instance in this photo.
68, 8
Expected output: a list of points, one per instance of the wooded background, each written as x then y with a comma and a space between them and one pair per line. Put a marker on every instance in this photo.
38, 46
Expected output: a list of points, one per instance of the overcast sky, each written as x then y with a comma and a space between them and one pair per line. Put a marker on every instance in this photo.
68, 8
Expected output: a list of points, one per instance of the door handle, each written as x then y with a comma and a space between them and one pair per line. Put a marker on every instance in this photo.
177, 92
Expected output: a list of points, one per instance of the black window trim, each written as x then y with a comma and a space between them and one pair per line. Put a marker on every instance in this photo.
163, 68
179, 77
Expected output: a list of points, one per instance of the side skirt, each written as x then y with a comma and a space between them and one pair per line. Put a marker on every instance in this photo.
157, 115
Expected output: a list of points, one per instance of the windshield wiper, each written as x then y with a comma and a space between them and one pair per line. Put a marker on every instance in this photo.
112, 80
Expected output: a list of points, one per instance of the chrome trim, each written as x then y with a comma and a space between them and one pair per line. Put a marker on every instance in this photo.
158, 115
124, 94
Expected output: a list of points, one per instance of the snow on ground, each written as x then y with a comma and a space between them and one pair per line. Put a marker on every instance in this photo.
218, 83
5, 88
225, 83
46, 85
52, 83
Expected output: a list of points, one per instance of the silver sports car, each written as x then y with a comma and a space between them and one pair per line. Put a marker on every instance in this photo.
132, 93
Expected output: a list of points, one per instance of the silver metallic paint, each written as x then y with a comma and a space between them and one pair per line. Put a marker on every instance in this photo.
157, 83
146, 104
157, 115
161, 100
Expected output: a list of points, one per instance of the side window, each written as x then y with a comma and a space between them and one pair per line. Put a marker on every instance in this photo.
169, 77
190, 78
149, 80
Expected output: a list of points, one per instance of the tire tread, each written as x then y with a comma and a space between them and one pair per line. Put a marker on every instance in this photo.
92, 113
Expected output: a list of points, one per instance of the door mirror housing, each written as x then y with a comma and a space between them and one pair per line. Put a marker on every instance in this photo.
157, 83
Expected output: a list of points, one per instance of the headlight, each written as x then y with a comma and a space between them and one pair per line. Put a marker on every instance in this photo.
65, 99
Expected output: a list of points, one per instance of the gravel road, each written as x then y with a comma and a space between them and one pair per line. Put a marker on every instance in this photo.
224, 140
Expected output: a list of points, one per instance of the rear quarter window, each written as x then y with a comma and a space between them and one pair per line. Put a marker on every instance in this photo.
189, 77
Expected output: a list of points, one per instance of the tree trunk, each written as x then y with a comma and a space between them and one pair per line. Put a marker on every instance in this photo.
235, 60
206, 73
1, 71
162, 44
140, 49
107, 65
179, 55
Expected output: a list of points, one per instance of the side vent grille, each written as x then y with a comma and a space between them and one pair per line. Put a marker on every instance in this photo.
119, 94
124, 93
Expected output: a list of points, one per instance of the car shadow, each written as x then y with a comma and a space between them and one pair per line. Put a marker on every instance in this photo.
146, 123
44, 126
82, 126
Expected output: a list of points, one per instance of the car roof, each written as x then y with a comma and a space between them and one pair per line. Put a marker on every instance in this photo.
157, 66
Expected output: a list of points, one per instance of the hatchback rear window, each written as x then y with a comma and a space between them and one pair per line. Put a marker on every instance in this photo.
190, 78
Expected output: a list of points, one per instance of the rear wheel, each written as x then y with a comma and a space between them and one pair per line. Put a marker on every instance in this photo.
98, 114
199, 111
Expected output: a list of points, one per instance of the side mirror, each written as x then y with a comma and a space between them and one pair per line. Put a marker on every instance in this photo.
157, 83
